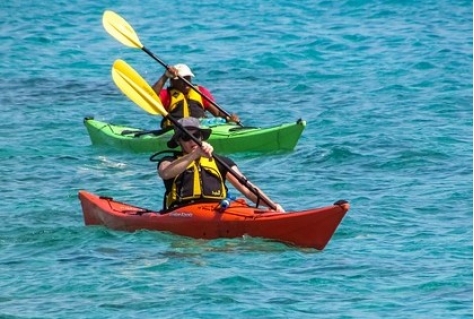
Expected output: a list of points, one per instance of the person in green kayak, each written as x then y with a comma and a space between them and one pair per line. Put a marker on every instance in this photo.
180, 100
193, 174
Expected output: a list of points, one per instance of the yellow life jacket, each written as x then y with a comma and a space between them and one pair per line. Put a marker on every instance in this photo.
201, 180
182, 105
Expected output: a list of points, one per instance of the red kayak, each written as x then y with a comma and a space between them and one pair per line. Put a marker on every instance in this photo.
312, 228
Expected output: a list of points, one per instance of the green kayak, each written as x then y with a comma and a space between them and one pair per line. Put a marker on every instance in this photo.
225, 137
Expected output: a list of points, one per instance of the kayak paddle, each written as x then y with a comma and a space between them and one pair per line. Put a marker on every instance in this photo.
136, 88
123, 32
140, 92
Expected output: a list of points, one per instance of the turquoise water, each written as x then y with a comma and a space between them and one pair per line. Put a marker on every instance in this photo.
386, 89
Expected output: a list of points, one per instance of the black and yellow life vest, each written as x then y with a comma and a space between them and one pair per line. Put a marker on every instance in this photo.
200, 180
182, 105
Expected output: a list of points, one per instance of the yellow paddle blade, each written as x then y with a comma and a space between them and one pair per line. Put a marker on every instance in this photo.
136, 88
120, 29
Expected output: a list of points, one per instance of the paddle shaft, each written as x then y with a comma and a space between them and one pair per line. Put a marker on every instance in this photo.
239, 177
166, 66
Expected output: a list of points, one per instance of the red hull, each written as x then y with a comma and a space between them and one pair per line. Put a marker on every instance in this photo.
309, 228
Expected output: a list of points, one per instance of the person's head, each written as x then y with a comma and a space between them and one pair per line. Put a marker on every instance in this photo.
180, 138
185, 72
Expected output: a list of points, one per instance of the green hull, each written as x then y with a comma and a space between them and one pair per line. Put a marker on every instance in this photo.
225, 138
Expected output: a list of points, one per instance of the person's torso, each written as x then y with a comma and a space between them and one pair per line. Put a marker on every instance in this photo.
202, 180
181, 105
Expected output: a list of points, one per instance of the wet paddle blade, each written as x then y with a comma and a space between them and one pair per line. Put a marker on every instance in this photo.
120, 29
136, 88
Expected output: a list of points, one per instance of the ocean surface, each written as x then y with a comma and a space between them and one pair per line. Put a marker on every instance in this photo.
385, 88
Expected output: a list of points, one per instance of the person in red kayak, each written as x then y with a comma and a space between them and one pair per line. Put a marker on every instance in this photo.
193, 175
180, 100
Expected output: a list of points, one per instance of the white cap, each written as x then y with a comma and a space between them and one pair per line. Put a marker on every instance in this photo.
183, 70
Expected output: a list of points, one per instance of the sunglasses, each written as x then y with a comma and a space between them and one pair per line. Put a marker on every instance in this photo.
196, 134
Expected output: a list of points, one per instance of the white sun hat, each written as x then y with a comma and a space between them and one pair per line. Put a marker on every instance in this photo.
183, 70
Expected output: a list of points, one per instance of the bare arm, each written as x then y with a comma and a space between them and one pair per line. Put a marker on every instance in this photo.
158, 86
248, 193
160, 83
168, 170
213, 109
